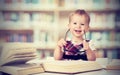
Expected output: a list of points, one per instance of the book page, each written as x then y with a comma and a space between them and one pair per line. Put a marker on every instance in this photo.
103, 61
14, 52
114, 64
73, 66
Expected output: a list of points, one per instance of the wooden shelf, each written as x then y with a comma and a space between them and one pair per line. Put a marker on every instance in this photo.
46, 49
102, 29
108, 48
16, 28
29, 9
104, 48
16, 31
62, 9
58, 9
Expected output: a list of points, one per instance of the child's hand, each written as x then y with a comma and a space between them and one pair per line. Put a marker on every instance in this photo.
62, 43
86, 45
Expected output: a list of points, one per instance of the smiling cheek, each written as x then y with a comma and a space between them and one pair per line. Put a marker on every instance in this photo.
82, 28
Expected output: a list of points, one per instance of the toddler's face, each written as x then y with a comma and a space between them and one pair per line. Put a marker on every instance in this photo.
78, 25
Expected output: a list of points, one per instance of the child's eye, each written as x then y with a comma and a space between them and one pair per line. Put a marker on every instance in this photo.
75, 23
82, 24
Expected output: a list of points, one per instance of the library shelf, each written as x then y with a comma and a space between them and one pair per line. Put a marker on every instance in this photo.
44, 23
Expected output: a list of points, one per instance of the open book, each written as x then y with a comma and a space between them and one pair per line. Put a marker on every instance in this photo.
114, 65
76, 66
71, 66
68, 66
23, 69
17, 53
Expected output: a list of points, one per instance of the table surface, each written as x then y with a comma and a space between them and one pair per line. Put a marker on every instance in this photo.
99, 72
101, 61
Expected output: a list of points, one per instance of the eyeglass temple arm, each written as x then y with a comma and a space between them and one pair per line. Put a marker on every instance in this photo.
66, 34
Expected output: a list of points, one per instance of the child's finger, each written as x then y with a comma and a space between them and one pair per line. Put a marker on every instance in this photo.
62, 43
85, 44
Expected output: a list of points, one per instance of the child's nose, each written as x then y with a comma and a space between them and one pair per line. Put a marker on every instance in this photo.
79, 25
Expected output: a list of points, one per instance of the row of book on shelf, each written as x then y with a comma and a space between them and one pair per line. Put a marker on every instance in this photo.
17, 37
98, 20
101, 38
100, 53
26, 16
27, 3
93, 4
111, 54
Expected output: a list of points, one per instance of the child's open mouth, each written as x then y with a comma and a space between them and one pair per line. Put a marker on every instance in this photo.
78, 31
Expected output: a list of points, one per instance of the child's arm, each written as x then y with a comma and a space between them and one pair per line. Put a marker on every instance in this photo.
90, 53
58, 53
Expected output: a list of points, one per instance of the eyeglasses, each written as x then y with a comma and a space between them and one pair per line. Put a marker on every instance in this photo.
73, 49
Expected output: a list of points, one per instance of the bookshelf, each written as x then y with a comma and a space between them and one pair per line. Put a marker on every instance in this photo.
43, 22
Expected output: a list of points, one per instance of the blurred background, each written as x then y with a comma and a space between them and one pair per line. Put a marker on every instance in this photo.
44, 22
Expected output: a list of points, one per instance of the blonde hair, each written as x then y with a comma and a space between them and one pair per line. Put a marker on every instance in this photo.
80, 12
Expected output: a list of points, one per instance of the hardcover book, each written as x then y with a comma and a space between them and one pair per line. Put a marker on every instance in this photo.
23, 69
17, 53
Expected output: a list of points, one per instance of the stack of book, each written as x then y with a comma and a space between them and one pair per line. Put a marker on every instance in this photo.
22, 69
15, 53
